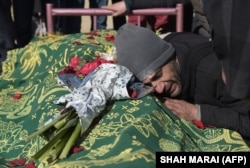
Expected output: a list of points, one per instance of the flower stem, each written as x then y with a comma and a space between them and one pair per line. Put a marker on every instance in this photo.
46, 149
71, 141
46, 127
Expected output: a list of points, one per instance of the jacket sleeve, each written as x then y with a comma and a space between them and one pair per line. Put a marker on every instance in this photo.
235, 116
217, 107
141, 4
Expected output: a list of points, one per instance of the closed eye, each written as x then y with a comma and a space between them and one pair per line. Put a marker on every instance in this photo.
157, 75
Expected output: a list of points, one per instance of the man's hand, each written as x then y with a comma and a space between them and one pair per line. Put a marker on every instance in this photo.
182, 109
119, 8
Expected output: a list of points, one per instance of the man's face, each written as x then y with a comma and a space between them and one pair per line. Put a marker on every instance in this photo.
166, 81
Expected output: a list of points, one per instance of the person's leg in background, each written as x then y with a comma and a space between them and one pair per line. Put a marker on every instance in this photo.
101, 20
7, 33
23, 12
65, 24
118, 20
57, 19
72, 24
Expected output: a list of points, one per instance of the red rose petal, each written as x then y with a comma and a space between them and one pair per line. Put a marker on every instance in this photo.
17, 96
77, 43
68, 69
110, 37
77, 149
17, 162
74, 61
199, 124
90, 37
30, 165
134, 95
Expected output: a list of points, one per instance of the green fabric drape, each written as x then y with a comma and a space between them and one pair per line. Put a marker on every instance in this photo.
127, 135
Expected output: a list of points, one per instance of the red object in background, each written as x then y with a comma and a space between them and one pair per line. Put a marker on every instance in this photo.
110, 37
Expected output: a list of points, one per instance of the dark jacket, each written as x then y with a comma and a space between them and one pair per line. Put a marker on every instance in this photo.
7, 33
203, 84
202, 27
231, 37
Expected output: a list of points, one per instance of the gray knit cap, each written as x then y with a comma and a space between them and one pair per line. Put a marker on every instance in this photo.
141, 50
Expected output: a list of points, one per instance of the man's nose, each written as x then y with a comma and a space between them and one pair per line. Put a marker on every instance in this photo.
154, 85
158, 87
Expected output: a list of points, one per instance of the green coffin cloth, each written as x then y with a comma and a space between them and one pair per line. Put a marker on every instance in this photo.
128, 134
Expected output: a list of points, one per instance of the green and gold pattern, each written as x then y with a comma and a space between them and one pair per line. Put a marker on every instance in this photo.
129, 132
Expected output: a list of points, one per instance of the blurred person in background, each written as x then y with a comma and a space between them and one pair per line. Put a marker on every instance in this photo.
65, 24
118, 21
101, 20
121, 7
16, 25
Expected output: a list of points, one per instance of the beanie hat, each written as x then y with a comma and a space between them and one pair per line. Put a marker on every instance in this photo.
141, 50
